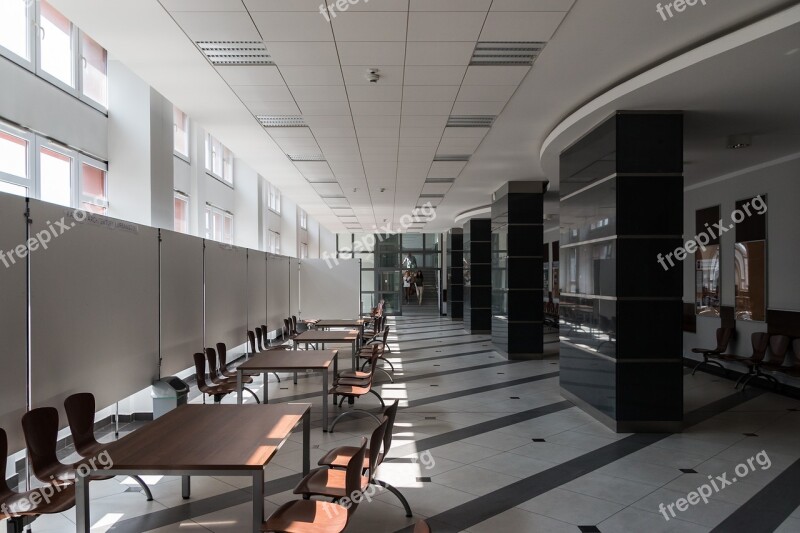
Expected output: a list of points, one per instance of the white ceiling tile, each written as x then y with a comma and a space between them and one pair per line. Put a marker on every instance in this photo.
439, 53
298, 146
378, 5
312, 75
325, 133
532, 5
450, 5
290, 133
424, 121
411, 108
357, 75
446, 169
272, 108
465, 133
347, 168
458, 146
533, 26
217, 26
378, 158
421, 132
319, 93
436, 188
377, 132
434, 75
486, 93
452, 26
375, 108
375, 93
430, 93
324, 121
314, 168
380, 150
381, 121
344, 143
251, 75
263, 93
478, 108
334, 157
430, 142
325, 108
370, 26
372, 53
328, 189
495, 75
283, 5
303, 54
203, 5
411, 168
293, 26
415, 153
376, 169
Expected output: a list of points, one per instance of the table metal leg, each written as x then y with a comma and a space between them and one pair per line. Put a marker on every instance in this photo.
307, 442
266, 394
186, 487
325, 400
335, 377
258, 499
82, 515
239, 391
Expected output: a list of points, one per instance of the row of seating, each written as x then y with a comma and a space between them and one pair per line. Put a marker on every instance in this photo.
40, 429
756, 364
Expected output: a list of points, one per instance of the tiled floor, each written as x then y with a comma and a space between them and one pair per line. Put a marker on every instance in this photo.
482, 444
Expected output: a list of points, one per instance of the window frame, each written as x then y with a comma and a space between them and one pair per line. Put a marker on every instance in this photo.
187, 123
224, 215
81, 58
33, 32
274, 199
31, 182
274, 242
74, 89
182, 196
74, 184
210, 158
82, 197
303, 220
303, 250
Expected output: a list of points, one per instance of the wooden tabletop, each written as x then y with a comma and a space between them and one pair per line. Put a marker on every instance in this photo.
315, 335
208, 437
290, 359
339, 323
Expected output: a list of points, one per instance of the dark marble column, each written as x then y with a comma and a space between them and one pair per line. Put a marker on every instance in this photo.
621, 193
517, 282
455, 274
478, 276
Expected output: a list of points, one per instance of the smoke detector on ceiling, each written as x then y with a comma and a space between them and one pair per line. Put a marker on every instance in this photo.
373, 75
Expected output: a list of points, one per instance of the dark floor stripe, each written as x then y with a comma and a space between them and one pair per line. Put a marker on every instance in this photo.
450, 356
769, 508
437, 345
478, 390
407, 339
480, 509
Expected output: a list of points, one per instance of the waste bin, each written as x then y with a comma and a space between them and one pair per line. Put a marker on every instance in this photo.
168, 393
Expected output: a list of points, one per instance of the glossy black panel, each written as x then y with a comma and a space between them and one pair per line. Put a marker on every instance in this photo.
650, 391
752, 214
590, 159
646, 330
525, 240
590, 322
639, 214
456, 293
522, 305
593, 379
706, 218
590, 215
479, 297
455, 310
520, 272
480, 230
649, 143
500, 333
524, 338
590, 269
525, 208
639, 272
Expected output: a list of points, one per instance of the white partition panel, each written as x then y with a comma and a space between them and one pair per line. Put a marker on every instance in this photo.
94, 307
13, 320
256, 288
328, 290
278, 305
226, 294
294, 286
181, 301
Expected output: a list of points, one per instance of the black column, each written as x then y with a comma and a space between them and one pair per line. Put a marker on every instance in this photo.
517, 283
455, 274
621, 205
478, 275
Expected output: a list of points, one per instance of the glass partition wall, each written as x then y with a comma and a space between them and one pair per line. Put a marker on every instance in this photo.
384, 260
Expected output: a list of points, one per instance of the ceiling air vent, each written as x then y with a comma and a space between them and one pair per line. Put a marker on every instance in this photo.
506, 53
440, 180
281, 121
306, 157
236, 52
454, 157
470, 121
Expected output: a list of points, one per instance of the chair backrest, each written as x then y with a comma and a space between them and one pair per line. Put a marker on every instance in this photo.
5, 490
778, 346
264, 340
390, 413
385, 335
375, 442
80, 414
352, 477
222, 354
40, 427
211, 357
760, 342
200, 370
288, 325
294, 325
422, 527
251, 340
723, 338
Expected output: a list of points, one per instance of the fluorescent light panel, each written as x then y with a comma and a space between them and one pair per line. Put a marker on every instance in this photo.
282, 121
470, 121
236, 52
506, 53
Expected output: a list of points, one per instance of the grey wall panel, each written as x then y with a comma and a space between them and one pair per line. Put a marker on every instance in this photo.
226, 294
13, 320
330, 291
294, 286
278, 304
181, 300
256, 288
94, 307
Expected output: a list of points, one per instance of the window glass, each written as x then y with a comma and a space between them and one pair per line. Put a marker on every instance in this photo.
227, 165
181, 213
303, 220
274, 199
303, 251
181, 124
93, 189
13, 155
750, 266
14, 27
227, 229
56, 44
10, 188
56, 177
707, 281
95, 69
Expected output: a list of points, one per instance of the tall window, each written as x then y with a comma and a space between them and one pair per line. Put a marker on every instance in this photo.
15, 172
274, 243
95, 70
219, 224
55, 171
181, 212
181, 125
303, 220
56, 50
274, 199
93, 188
15, 27
303, 250
219, 160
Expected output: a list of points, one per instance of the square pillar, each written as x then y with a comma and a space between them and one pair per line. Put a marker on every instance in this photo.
478, 276
455, 274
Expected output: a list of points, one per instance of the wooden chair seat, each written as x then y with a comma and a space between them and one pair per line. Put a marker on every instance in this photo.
307, 516
328, 482
20, 503
353, 374
349, 390
339, 457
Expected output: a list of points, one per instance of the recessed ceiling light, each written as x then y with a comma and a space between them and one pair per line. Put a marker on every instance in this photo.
236, 52
470, 121
281, 121
506, 53
431, 195
440, 180
453, 157
306, 157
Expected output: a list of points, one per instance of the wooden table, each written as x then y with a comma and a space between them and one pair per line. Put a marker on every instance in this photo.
316, 336
351, 323
288, 361
203, 440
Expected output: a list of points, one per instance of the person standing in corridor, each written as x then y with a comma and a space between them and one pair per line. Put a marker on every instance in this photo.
420, 286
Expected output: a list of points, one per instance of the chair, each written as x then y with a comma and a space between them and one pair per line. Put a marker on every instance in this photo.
293, 321
352, 389
217, 391
760, 342
384, 346
40, 427
260, 345
313, 516
794, 370
339, 457
222, 350
723, 339
218, 379
778, 347
19, 508
377, 330
366, 353
80, 409
287, 326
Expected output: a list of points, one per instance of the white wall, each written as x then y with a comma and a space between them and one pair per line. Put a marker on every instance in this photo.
288, 228
246, 206
327, 242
